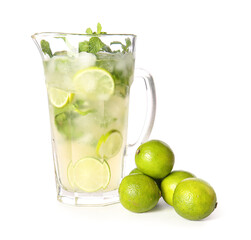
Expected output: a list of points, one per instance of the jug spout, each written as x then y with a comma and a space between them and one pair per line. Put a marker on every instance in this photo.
51, 44
41, 45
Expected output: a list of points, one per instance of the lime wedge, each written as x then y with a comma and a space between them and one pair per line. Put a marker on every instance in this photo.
58, 97
109, 144
89, 174
94, 82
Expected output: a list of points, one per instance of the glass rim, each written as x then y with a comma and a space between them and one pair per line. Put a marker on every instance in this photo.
80, 34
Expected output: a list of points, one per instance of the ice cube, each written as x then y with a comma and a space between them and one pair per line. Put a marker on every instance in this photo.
84, 60
125, 63
107, 60
58, 64
58, 72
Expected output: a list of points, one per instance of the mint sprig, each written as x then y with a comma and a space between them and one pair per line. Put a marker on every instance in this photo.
94, 45
124, 47
99, 30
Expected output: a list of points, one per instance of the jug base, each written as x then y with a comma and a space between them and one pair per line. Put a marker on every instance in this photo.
87, 199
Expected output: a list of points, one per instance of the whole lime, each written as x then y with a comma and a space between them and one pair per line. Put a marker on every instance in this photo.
194, 199
135, 171
138, 193
170, 182
155, 159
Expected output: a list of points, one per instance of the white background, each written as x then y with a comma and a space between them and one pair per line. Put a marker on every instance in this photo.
199, 53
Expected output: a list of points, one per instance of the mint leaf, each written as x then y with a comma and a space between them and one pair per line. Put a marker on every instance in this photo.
46, 47
99, 28
95, 45
83, 46
88, 31
128, 42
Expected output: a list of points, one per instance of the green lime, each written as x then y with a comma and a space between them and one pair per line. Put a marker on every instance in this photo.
155, 159
89, 174
194, 199
135, 171
94, 82
58, 97
138, 193
170, 182
109, 144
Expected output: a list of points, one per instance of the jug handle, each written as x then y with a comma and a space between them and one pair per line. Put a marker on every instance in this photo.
150, 110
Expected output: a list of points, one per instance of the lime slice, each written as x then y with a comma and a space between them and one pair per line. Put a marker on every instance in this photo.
90, 174
58, 97
95, 82
109, 144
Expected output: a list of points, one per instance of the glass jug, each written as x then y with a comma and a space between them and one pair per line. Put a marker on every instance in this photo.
88, 79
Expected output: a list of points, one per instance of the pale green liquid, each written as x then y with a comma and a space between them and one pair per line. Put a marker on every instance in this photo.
75, 136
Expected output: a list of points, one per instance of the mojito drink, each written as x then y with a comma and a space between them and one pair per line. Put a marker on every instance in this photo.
88, 102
